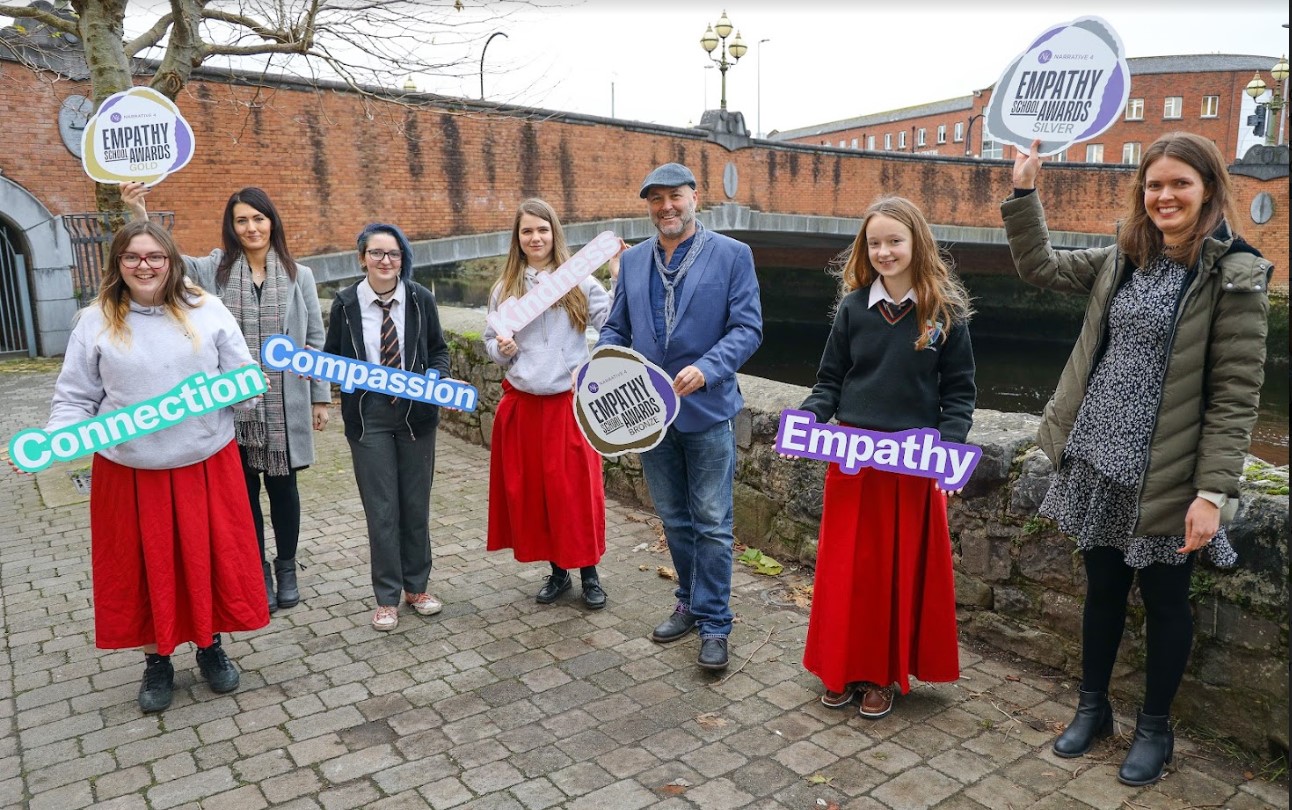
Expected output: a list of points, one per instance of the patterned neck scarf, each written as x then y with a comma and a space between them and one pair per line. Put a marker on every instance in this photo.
262, 430
670, 299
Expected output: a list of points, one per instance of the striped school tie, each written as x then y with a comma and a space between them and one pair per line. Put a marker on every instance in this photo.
389, 340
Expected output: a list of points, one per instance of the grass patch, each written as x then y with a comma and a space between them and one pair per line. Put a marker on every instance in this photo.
31, 365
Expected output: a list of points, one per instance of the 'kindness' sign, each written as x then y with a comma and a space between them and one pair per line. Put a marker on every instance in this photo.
914, 452
515, 313
622, 401
138, 135
1070, 85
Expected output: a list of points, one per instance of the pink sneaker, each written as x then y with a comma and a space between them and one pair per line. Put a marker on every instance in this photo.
423, 603
386, 618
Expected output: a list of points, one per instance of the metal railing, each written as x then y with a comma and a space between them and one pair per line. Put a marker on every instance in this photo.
17, 327
91, 234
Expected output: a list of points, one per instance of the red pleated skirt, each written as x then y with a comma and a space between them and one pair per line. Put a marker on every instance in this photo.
173, 554
547, 502
883, 605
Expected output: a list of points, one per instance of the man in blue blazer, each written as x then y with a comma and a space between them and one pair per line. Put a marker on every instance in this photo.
687, 300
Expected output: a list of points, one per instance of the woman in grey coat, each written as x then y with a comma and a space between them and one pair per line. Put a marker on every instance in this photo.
268, 293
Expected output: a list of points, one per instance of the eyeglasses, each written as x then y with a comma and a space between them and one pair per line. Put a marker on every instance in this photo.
378, 255
153, 260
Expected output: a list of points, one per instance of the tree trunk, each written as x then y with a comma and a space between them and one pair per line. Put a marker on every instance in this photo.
102, 33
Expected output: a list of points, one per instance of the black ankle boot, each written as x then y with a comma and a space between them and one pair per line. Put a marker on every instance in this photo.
594, 596
288, 593
269, 586
158, 684
1150, 752
1093, 721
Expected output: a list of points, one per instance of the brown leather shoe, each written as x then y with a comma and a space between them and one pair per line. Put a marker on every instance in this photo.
837, 700
876, 701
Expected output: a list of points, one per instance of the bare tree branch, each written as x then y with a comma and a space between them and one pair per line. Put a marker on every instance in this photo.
31, 13
150, 37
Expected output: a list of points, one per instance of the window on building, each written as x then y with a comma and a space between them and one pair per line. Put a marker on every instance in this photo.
1061, 157
1094, 153
854, 143
888, 140
1210, 106
1135, 109
959, 132
901, 139
920, 137
870, 142
1130, 153
1174, 107
942, 133
842, 143
992, 149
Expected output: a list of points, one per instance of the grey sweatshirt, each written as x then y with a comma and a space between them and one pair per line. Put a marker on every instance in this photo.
549, 348
100, 375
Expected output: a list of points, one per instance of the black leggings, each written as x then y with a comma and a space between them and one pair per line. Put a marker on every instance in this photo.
284, 509
1165, 590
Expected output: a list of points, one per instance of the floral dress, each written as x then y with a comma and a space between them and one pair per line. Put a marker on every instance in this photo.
1095, 494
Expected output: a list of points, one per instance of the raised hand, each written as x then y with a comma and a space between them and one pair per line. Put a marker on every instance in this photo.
1027, 167
132, 194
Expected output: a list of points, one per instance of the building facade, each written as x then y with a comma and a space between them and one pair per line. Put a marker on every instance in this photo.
1202, 94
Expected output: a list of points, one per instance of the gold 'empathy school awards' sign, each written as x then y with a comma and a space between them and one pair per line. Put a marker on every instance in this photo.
1070, 85
137, 136
623, 402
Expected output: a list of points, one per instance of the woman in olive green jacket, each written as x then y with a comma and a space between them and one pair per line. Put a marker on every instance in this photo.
1153, 414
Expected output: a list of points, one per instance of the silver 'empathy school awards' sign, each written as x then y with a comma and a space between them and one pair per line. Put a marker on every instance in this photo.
1070, 85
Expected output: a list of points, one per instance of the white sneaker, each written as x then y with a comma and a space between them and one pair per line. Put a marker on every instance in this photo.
386, 618
424, 603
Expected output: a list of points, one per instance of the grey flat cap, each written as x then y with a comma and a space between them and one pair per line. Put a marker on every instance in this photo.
670, 175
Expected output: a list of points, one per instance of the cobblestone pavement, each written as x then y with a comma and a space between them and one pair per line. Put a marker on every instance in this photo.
499, 702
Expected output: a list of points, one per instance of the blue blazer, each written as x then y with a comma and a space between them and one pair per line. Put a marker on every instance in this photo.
719, 324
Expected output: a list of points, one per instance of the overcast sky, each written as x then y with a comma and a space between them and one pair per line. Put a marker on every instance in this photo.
824, 61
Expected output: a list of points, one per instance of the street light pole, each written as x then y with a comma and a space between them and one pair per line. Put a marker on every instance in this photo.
482, 57
715, 36
1278, 98
759, 65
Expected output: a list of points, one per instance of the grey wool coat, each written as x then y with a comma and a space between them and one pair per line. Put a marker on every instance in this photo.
303, 323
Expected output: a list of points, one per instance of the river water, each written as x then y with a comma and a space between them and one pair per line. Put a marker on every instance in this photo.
1017, 368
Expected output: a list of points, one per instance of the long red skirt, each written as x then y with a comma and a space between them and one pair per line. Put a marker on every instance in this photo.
173, 554
546, 499
883, 606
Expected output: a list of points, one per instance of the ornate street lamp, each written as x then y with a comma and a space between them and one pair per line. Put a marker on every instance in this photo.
715, 38
1257, 87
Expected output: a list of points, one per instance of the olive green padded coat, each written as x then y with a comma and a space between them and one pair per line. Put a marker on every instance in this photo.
1216, 363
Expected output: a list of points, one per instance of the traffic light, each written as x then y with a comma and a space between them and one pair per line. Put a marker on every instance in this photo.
1257, 121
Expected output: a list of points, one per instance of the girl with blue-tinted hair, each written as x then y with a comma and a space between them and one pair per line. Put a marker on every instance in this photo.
388, 318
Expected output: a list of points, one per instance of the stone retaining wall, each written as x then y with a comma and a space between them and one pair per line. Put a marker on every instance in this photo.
1019, 583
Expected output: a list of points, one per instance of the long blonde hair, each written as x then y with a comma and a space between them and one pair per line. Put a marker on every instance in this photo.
178, 295
940, 296
511, 284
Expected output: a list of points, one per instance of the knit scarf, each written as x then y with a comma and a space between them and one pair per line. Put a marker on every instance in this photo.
670, 299
261, 431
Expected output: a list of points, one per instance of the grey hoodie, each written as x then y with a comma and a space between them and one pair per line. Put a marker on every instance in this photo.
549, 348
100, 375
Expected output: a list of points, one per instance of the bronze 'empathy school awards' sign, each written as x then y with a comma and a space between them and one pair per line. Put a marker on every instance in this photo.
623, 402
1070, 85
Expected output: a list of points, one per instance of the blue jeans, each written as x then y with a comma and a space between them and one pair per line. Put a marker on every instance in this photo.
690, 479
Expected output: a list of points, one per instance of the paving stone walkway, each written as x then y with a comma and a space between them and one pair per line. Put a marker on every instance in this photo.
499, 702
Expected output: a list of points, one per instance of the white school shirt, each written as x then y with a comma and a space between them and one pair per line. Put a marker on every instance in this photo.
370, 310
878, 293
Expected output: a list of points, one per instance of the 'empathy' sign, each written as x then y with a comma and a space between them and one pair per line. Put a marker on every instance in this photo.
515, 313
1070, 85
914, 452
622, 401
138, 135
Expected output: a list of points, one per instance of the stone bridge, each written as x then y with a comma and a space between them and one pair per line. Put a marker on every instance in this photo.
451, 172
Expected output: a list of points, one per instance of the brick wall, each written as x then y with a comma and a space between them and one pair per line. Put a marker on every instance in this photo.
334, 161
